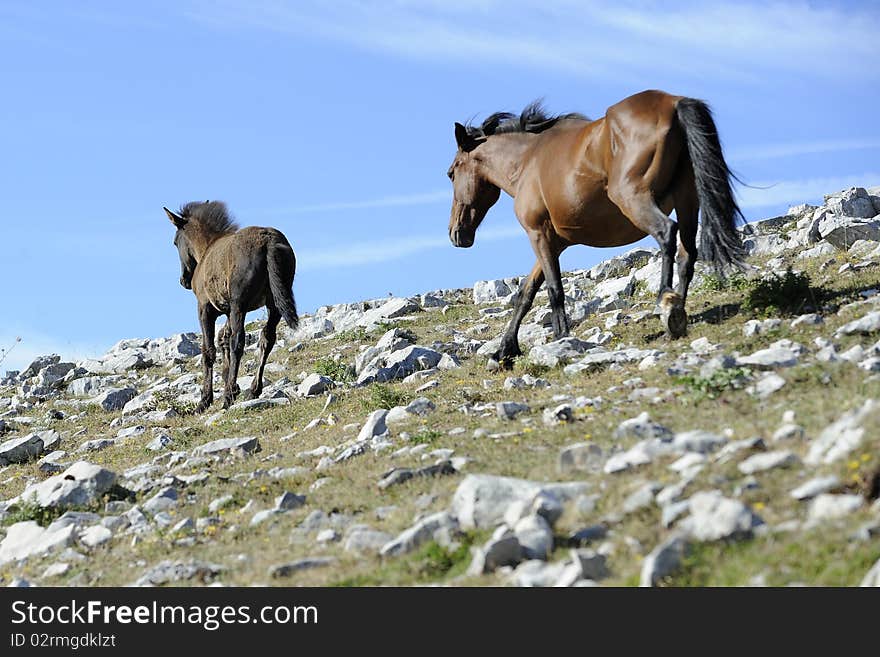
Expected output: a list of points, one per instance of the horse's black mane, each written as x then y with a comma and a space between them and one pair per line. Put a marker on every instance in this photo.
212, 215
534, 118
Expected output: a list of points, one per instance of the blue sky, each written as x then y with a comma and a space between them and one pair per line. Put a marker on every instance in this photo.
333, 122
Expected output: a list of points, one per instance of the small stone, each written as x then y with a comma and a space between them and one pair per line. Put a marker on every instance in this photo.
663, 560
813, 487
508, 410
558, 415
827, 506
580, 457
766, 385
287, 501
308, 563
95, 536
768, 461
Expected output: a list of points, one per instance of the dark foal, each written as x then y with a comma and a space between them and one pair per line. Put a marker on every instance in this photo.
232, 272
607, 182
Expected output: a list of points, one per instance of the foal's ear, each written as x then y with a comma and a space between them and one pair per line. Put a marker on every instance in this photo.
176, 219
464, 140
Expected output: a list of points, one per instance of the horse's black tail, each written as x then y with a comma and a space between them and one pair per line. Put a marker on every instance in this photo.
281, 264
720, 243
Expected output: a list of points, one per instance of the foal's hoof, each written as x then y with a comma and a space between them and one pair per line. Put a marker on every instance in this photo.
673, 315
203, 406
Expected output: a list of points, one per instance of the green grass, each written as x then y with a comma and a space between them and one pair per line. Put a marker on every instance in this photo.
337, 370
426, 437
788, 294
816, 560
720, 381
383, 396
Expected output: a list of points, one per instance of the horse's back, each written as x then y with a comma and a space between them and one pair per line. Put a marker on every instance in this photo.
237, 264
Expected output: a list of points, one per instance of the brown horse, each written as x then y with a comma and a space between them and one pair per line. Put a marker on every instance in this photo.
602, 183
232, 272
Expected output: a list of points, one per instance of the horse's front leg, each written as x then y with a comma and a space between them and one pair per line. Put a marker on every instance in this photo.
548, 248
207, 319
236, 351
522, 302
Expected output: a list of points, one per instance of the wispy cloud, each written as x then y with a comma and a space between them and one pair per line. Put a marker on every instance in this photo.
801, 191
34, 344
770, 151
392, 248
424, 198
624, 39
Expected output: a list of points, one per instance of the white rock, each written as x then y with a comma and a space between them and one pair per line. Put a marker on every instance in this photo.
768, 461
26, 539
827, 506
715, 517
766, 385
663, 560
95, 535
842, 436
480, 501
813, 487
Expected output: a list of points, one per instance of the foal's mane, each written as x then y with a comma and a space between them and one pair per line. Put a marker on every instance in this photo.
534, 118
210, 216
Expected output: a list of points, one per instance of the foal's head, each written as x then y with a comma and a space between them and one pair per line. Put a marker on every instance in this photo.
198, 225
473, 194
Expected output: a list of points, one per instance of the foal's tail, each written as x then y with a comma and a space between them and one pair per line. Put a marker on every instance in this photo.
281, 264
720, 242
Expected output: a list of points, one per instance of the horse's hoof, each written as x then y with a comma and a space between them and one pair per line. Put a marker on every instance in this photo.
673, 315
503, 361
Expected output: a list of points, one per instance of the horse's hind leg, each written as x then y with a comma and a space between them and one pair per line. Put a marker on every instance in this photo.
687, 209
642, 211
236, 350
207, 318
267, 341
522, 302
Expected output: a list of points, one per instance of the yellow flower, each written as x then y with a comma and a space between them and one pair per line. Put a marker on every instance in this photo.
866, 458
263, 489
758, 506
853, 465
588, 436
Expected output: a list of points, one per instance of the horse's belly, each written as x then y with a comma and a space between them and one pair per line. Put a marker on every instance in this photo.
599, 229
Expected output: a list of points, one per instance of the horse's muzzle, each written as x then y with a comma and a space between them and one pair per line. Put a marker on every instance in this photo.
461, 240
186, 282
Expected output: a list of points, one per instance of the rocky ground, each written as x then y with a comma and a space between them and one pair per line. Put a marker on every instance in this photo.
388, 449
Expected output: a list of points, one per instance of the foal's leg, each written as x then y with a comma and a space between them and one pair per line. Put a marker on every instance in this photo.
267, 341
522, 302
642, 211
223, 339
236, 350
207, 318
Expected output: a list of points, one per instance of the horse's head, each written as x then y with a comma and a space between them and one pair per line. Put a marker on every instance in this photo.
473, 194
184, 248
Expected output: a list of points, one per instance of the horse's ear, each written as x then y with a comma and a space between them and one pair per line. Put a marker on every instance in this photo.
462, 138
176, 219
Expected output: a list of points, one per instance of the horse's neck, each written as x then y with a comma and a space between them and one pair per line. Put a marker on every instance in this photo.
503, 159
203, 241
